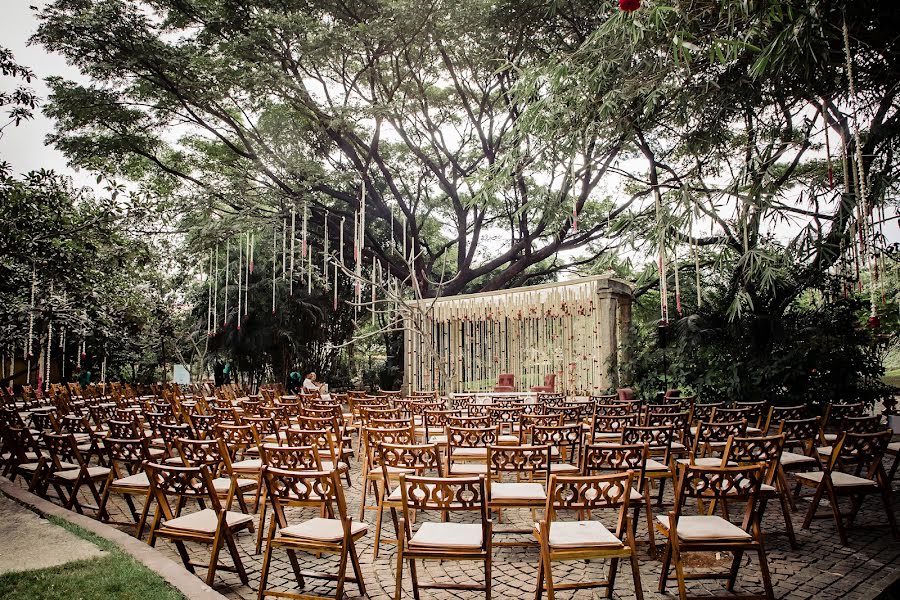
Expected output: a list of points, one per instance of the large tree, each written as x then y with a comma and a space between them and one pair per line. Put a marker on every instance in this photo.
252, 108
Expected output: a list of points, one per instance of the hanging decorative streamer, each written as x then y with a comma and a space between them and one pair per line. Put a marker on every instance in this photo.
341, 242
334, 301
103, 370
696, 256
62, 353
325, 251
80, 354
574, 200
250, 248
403, 223
49, 349
677, 285
240, 280
274, 262
303, 248
249, 257
309, 269
663, 284
293, 241
28, 342
227, 268
216, 294
861, 181
209, 295
374, 283
284, 250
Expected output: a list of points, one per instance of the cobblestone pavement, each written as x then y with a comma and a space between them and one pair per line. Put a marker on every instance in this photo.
821, 568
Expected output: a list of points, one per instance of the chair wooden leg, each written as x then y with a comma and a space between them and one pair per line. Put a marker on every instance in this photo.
142, 522
539, 588
295, 565
378, 520
785, 489
636, 567
611, 579
102, 515
214, 558
398, 583
788, 523
487, 577
236, 557
264, 572
414, 576
341, 575
262, 523
814, 504
836, 510
733, 571
666, 564
764, 571
185, 557
357, 569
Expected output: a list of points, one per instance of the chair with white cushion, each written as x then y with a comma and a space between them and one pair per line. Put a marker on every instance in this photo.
212, 524
397, 459
467, 449
127, 478
854, 470
584, 540
518, 478
333, 533
712, 533
445, 540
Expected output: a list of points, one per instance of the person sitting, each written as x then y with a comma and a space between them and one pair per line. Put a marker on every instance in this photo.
310, 385
294, 384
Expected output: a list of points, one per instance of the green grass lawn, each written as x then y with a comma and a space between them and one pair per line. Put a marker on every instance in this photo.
116, 575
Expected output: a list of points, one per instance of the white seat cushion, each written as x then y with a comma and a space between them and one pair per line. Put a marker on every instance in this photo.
324, 530
824, 450
678, 447
578, 534
518, 491
655, 465
92, 472
249, 464
329, 465
793, 458
205, 521
438, 439
223, 484
753, 431
706, 461
459, 536
608, 436
893, 447
469, 453
563, 468
837, 478
699, 528
137, 481
830, 437
468, 469
507, 439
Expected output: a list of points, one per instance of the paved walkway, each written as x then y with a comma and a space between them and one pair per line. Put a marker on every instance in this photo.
820, 569
28, 541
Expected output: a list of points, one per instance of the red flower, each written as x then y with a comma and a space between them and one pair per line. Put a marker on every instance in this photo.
629, 5
874, 322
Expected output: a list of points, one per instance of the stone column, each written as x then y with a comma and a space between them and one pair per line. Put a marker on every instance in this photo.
609, 346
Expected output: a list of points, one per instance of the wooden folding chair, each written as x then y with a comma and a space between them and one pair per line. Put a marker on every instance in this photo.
853, 470
467, 449
213, 524
371, 470
334, 533
712, 533
764, 450
443, 540
659, 464
609, 458
127, 478
528, 467
586, 539
408, 459
565, 445
63, 451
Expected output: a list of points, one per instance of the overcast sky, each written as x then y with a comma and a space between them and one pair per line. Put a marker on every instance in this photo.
23, 146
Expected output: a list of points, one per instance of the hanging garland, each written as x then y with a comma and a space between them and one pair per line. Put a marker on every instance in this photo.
274, 262
216, 294
227, 269
249, 256
866, 213
240, 280
293, 241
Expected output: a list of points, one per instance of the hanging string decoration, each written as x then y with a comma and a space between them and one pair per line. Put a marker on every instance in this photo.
335, 298
309, 270
865, 211
284, 250
325, 250
574, 200
49, 349
240, 280
227, 268
216, 294
293, 241
274, 262
29, 341
305, 219
209, 295
249, 256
